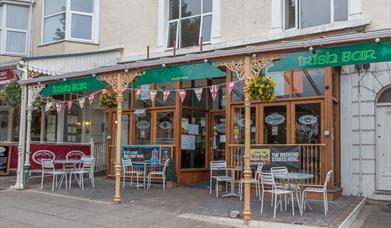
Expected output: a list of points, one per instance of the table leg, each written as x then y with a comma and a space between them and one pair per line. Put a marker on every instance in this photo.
232, 193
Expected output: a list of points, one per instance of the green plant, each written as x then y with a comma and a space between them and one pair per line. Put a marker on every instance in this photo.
40, 102
261, 88
171, 171
107, 100
11, 94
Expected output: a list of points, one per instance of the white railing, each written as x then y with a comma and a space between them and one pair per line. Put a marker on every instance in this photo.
99, 152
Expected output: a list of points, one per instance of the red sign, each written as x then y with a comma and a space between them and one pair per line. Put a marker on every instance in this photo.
6, 76
50, 151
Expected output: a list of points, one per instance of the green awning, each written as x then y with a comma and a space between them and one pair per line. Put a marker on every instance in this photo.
179, 73
72, 86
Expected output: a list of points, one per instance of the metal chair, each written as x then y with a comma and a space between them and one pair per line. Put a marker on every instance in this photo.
159, 173
267, 179
129, 168
48, 168
255, 181
86, 167
318, 190
216, 166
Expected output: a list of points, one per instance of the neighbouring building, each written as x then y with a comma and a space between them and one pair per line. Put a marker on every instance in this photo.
333, 80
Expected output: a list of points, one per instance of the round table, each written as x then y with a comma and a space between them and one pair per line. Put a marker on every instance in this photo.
232, 193
64, 162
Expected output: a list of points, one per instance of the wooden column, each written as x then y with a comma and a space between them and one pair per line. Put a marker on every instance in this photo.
119, 83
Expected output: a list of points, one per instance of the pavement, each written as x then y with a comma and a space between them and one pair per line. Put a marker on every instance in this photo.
178, 207
375, 214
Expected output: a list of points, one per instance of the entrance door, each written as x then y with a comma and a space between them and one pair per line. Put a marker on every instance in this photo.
383, 119
218, 136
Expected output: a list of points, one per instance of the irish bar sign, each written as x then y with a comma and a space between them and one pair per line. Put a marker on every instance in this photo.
335, 56
72, 86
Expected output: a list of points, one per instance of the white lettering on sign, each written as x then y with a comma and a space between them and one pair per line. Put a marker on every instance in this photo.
275, 119
286, 157
308, 119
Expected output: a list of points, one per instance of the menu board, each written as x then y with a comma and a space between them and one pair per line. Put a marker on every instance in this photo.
141, 153
4, 160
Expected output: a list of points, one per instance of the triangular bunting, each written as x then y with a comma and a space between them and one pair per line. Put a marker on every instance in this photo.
182, 94
81, 102
213, 91
230, 86
58, 107
166, 93
152, 94
198, 92
138, 93
69, 105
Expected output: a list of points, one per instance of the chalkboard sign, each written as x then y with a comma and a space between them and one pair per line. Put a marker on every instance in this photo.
4, 160
141, 153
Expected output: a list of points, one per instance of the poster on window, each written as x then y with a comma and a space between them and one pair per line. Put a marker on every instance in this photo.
270, 156
188, 142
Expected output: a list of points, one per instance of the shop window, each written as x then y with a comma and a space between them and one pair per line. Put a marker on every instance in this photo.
81, 15
239, 126
15, 124
385, 97
14, 26
51, 126
308, 82
142, 130
308, 123
237, 93
220, 101
307, 13
191, 99
36, 126
144, 100
4, 126
126, 102
165, 128
170, 101
275, 125
189, 20
283, 83
193, 139
73, 125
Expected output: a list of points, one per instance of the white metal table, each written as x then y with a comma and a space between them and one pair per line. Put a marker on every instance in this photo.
232, 193
64, 162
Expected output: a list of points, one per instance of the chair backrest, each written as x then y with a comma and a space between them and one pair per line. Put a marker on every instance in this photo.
268, 180
126, 162
279, 170
259, 170
328, 176
47, 164
165, 165
220, 165
88, 163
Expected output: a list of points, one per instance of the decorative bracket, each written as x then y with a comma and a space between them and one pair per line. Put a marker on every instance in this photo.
119, 81
34, 91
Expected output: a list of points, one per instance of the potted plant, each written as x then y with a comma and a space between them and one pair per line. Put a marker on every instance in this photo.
107, 100
171, 174
261, 88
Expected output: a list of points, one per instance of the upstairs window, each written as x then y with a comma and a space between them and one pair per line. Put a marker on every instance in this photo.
70, 20
188, 22
300, 14
14, 26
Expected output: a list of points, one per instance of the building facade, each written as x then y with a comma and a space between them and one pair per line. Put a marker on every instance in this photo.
55, 39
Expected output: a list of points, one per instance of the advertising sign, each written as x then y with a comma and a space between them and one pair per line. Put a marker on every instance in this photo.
6, 76
270, 156
141, 153
4, 160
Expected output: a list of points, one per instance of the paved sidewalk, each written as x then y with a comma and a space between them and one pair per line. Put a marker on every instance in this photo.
374, 214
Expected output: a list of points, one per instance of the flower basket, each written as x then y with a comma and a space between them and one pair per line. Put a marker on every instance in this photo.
107, 100
261, 89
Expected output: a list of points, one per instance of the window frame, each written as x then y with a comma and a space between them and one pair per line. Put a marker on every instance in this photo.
68, 23
4, 29
178, 26
298, 17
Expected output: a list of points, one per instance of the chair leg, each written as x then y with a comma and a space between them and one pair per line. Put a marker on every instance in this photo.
164, 183
82, 181
217, 188
262, 202
131, 180
70, 181
210, 186
325, 203
54, 179
137, 181
271, 202
275, 205
293, 207
43, 174
123, 180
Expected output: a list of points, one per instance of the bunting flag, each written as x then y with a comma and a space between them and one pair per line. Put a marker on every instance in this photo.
230, 86
152, 94
48, 106
81, 102
198, 92
182, 94
138, 93
58, 107
104, 91
166, 93
69, 105
213, 91
91, 98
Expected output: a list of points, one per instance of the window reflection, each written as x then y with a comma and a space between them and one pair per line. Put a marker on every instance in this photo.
308, 82
142, 130
275, 125
165, 128
239, 125
308, 123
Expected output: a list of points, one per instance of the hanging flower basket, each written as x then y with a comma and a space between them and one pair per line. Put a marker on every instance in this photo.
261, 89
107, 100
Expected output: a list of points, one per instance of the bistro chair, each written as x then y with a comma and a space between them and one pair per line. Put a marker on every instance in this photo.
48, 168
318, 190
86, 167
159, 173
129, 168
255, 181
267, 179
282, 170
215, 168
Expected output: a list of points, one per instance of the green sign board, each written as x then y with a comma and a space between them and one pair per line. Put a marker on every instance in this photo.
179, 73
72, 86
335, 56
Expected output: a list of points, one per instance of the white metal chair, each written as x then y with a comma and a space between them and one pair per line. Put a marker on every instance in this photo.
86, 167
129, 168
159, 173
48, 168
267, 179
255, 181
216, 166
318, 190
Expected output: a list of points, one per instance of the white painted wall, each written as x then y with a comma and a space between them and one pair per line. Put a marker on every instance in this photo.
378, 77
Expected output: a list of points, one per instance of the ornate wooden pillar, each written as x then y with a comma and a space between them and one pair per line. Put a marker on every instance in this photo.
119, 83
246, 69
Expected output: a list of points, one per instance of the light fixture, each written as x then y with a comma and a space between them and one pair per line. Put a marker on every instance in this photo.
163, 65
377, 40
205, 60
116, 122
64, 79
254, 55
94, 75
311, 49
126, 70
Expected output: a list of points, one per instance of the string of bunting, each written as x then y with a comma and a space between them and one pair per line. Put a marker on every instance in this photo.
213, 89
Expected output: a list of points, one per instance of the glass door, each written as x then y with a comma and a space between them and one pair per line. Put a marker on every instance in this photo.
165, 128
275, 125
218, 136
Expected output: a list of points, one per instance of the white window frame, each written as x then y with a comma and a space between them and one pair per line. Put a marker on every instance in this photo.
68, 23
4, 30
180, 18
298, 15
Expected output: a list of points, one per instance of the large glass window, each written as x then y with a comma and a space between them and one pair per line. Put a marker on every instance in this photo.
308, 123
307, 13
275, 125
51, 126
189, 20
14, 26
239, 126
308, 82
220, 101
4, 125
142, 132
237, 93
73, 129
191, 99
82, 17
161, 98
144, 99
165, 128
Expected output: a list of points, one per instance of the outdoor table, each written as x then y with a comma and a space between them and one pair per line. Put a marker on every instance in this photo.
145, 165
64, 162
296, 178
232, 193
